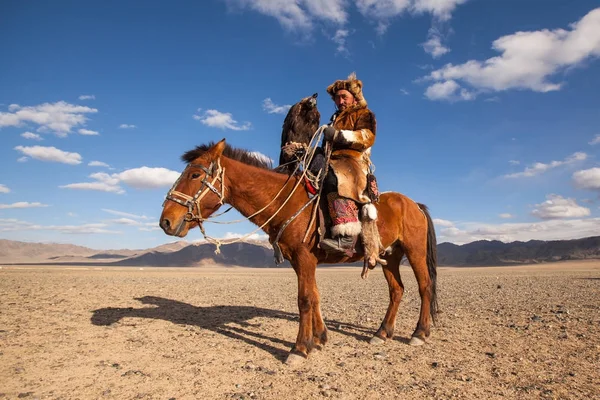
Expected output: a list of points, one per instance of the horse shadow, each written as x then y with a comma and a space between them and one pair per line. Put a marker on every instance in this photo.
230, 321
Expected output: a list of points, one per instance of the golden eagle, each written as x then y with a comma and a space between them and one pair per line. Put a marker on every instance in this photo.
299, 126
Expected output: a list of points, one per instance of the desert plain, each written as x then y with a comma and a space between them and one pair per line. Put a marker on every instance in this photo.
89, 332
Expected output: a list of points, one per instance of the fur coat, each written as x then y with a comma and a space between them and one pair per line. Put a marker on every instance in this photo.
351, 151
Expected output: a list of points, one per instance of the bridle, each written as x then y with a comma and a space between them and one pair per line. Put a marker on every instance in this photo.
193, 202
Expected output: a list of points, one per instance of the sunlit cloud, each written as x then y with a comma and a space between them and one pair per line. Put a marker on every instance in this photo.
22, 204
526, 60
59, 117
221, 120
539, 168
50, 154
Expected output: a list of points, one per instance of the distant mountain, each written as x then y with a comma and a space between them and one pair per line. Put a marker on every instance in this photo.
244, 254
485, 252
260, 254
14, 251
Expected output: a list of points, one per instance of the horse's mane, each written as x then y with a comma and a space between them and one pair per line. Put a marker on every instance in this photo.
244, 156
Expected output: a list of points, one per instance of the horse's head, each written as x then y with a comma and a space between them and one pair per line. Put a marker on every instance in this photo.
197, 193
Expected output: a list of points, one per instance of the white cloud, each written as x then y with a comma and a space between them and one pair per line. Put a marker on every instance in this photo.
124, 214
22, 204
147, 178
104, 183
51, 154
339, 38
384, 10
139, 178
442, 222
99, 186
72, 214
506, 216
404, 92
433, 45
217, 119
98, 164
539, 168
440, 9
254, 236
595, 140
494, 99
127, 126
555, 229
87, 97
22, 159
441, 90
125, 221
528, 60
514, 162
297, 14
303, 15
16, 225
59, 117
4, 189
272, 108
88, 132
31, 135
557, 206
150, 229
448, 90
587, 179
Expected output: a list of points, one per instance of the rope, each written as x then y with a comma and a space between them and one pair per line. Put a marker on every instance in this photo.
308, 156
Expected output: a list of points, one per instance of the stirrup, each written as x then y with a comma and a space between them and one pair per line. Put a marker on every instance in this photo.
341, 244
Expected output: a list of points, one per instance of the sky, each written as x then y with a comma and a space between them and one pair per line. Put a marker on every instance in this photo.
487, 111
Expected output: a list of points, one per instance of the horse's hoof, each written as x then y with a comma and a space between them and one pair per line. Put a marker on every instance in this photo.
376, 340
294, 360
415, 341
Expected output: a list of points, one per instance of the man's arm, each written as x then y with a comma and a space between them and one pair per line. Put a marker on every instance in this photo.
363, 135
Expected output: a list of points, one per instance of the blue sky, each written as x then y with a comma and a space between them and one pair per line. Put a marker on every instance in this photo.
487, 110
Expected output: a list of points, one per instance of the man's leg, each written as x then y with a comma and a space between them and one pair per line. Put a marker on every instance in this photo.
345, 226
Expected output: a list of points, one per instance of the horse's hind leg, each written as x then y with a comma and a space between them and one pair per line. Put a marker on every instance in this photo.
391, 271
417, 257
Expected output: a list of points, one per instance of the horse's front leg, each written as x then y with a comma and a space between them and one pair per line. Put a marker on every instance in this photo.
312, 331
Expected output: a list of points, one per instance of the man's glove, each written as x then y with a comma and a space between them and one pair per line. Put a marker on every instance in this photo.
329, 133
291, 149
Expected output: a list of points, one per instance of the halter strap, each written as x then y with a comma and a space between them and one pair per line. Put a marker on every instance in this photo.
193, 202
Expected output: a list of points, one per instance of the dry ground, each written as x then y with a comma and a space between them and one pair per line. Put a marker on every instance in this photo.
100, 333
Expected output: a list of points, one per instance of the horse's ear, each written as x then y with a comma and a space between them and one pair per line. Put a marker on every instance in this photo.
218, 148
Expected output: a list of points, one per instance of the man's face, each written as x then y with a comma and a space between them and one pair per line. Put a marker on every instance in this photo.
344, 99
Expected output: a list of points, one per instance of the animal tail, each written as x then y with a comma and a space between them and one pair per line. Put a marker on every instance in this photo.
431, 261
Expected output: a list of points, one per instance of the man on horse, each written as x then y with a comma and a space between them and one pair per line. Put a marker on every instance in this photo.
351, 134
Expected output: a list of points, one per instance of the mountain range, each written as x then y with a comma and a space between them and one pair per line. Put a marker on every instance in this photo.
259, 254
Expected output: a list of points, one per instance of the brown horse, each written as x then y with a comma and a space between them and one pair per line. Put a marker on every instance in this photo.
218, 174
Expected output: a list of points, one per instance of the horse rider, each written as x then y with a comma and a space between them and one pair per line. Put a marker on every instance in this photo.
351, 133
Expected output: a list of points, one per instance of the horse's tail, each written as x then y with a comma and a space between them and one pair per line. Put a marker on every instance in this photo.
431, 260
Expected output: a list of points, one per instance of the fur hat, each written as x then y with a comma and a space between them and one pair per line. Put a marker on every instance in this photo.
352, 85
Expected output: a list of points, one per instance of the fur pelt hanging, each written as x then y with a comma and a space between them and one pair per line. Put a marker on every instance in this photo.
370, 239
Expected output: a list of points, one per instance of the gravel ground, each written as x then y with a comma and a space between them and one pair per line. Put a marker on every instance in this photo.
223, 333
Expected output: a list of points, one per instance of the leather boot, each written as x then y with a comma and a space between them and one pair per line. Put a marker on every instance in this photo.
340, 244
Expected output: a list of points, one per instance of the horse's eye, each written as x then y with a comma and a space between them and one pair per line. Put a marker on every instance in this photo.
195, 176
